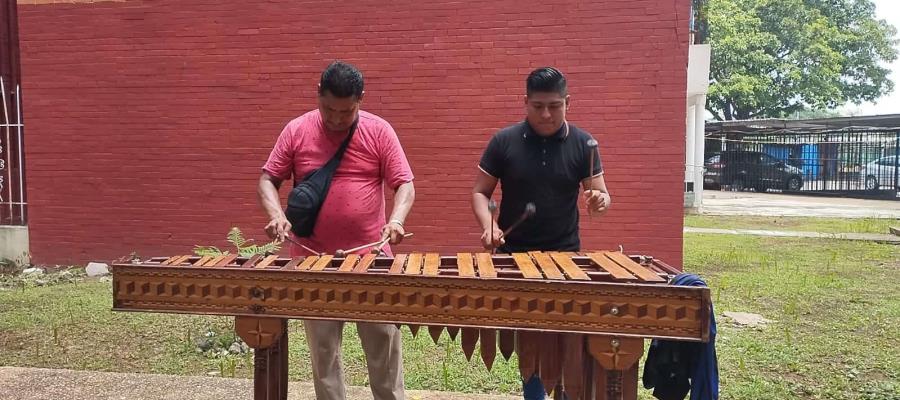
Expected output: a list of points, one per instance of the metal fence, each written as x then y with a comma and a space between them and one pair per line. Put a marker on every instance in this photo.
13, 204
12, 179
842, 162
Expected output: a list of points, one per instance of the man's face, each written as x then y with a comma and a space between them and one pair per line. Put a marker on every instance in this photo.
546, 111
338, 113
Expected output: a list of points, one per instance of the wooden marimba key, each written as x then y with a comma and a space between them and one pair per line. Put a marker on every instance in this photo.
576, 319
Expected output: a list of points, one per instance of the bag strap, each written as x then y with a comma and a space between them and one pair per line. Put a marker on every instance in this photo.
331, 165
341, 150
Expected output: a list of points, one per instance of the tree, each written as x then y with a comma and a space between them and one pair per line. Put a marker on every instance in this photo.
773, 58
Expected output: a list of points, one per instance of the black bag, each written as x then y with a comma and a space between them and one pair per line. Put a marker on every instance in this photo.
308, 195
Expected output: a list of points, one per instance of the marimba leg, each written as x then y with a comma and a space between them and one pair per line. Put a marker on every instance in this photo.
615, 367
269, 340
616, 385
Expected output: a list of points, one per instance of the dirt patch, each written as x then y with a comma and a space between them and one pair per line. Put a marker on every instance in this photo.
12, 341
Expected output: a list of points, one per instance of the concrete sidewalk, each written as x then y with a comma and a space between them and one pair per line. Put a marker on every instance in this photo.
776, 204
873, 237
57, 384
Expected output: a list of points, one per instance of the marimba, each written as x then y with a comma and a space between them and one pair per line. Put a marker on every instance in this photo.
577, 319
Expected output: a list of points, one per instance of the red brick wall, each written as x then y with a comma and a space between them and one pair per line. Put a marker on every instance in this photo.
147, 121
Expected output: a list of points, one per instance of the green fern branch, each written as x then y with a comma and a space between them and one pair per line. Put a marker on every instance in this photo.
243, 246
236, 237
208, 251
271, 247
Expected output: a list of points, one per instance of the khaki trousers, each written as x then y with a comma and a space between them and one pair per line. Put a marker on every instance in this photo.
382, 346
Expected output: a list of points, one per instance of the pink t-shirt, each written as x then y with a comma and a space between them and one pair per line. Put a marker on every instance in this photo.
354, 209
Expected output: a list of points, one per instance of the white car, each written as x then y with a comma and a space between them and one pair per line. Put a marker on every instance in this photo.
880, 173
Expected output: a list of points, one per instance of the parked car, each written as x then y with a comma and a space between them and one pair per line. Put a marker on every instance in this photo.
880, 173
750, 169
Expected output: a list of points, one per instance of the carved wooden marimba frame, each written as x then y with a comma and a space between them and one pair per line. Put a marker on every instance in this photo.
579, 320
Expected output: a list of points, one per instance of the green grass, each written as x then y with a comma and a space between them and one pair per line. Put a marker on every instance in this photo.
808, 224
836, 307
72, 326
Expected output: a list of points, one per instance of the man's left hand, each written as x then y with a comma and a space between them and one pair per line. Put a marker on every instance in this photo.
393, 231
597, 202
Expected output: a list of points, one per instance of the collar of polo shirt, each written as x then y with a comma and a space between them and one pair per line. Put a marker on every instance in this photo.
560, 134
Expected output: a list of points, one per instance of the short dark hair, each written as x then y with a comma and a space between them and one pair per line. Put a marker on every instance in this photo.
546, 79
342, 80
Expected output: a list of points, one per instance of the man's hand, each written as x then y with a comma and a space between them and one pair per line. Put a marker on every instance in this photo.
492, 237
597, 202
278, 228
393, 232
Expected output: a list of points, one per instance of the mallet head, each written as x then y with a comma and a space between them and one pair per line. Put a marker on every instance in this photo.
530, 209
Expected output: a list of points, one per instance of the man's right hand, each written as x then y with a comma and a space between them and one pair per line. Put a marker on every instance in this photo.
278, 228
492, 238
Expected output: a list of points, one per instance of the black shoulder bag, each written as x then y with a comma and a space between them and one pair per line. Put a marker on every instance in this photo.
308, 195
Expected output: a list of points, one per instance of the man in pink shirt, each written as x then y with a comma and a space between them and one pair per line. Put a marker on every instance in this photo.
352, 214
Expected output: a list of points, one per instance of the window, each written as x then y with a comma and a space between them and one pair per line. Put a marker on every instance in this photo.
769, 160
888, 161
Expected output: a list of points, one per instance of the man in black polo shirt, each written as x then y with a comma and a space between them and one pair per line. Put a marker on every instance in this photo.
546, 161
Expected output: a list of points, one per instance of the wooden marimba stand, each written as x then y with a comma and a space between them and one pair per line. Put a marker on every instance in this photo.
616, 379
578, 320
269, 339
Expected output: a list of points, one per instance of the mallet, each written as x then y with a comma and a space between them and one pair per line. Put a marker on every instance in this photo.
530, 209
492, 207
592, 148
316, 253
380, 244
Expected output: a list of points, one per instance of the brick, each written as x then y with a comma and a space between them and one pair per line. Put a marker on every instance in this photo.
147, 122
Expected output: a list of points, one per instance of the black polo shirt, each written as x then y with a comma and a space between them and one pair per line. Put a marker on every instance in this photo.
546, 171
